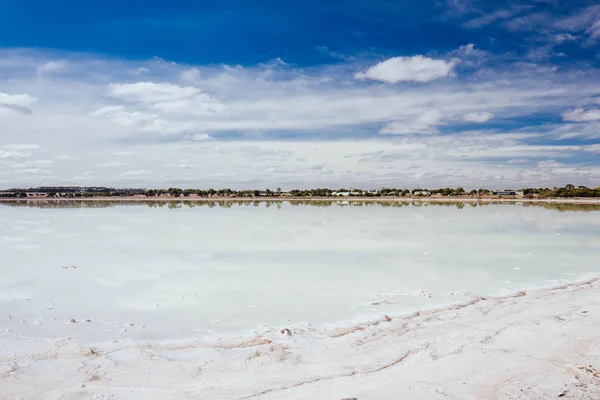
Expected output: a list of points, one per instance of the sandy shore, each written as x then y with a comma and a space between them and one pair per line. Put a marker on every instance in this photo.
432, 199
538, 345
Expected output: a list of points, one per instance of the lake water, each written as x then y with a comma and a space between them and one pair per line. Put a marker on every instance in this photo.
185, 270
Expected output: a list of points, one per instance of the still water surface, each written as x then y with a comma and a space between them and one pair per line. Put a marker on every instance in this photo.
181, 270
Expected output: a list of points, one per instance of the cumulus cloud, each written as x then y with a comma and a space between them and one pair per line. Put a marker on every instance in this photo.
166, 97
487, 19
136, 172
52, 66
33, 171
158, 107
198, 137
16, 103
594, 30
478, 117
242, 100
581, 115
190, 75
65, 157
563, 37
42, 162
95, 112
549, 164
583, 21
334, 54
407, 69
517, 161
13, 154
16, 108
27, 147
424, 123
120, 115
86, 177
112, 164
593, 148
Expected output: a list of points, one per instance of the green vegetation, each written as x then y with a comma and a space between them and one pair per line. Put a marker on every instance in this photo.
567, 191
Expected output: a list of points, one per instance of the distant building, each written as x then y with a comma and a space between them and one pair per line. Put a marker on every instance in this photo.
345, 194
505, 193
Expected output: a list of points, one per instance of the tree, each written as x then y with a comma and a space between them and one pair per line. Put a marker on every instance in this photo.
458, 191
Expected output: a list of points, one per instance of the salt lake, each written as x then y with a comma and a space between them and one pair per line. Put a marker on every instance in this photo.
168, 270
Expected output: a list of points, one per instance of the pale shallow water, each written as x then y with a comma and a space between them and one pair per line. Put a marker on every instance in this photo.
175, 270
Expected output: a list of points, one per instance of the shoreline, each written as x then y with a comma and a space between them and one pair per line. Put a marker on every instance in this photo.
142, 199
543, 342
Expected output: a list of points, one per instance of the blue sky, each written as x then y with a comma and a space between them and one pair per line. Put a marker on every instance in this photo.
247, 33
270, 93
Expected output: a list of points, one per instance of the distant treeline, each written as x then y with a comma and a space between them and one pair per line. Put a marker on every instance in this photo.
71, 191
567, 191
78, 192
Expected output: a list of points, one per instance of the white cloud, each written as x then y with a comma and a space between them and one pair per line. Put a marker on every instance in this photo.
140, 71
43, 162
52, 66
119, 115
487, 19
13, 154
424, 123
478, 117
93, 111
137, 172
29, 163
549, 164
19, 147
198, 137
298, 100
16, 103
112, 164
593, 148
586, 130
150, 92
407, 69
33, 171
146, 101
517, 161
86, 177
563, 37
65, 157
334, 54
190, 75
581, 115
584, 21
594, 30
166, 97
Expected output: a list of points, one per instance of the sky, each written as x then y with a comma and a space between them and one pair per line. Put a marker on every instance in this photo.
300, 94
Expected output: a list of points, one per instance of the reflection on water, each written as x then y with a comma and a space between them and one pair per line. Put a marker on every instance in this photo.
191, 268
173, 204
